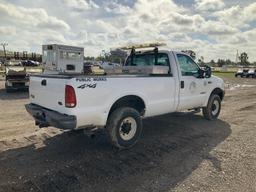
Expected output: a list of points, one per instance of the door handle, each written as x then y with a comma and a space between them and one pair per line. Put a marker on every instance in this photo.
43, 82
182, 84
209, 82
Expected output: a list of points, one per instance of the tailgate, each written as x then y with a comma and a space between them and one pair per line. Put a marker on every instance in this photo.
48, 92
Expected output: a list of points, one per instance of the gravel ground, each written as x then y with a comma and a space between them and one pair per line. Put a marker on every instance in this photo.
178, 152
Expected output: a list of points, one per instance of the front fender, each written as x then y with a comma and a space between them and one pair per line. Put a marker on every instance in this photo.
218, 88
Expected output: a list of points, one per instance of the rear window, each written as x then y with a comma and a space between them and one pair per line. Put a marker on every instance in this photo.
148, 60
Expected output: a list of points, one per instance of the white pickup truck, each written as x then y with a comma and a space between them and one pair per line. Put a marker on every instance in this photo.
118, 102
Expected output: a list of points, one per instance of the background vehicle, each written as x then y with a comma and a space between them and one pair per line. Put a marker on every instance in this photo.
251, 73
30, 63
166, 81
242, 72
107, 65
1, 67
93, 69
17, 77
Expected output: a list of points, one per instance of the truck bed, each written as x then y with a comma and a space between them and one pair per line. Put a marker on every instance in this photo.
95, 94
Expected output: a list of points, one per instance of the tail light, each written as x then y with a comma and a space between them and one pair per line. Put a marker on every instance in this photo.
70, 97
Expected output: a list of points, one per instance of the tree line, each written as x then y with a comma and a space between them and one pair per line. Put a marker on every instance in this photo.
242, 60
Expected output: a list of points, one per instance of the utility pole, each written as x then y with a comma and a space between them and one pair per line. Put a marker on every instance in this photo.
237, 57
4, 45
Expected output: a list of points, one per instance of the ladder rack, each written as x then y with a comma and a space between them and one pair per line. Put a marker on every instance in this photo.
142, 46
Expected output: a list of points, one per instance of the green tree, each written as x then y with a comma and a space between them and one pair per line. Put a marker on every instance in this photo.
244, 58
201, 61
221, 62
114, 56
191, 53
228, 62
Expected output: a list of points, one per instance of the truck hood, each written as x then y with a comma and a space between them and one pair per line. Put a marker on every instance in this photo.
15, 70
22, 70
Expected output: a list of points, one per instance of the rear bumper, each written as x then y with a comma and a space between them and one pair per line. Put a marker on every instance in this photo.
45, 117
25, 88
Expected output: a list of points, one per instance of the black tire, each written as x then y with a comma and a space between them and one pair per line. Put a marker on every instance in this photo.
212, 110
121, 127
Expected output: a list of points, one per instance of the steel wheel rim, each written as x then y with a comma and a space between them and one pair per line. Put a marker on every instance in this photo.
215, 107
128, 128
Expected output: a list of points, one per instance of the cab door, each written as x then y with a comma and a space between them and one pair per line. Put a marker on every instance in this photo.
193, 88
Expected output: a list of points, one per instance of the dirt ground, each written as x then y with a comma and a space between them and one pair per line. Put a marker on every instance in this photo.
177, 152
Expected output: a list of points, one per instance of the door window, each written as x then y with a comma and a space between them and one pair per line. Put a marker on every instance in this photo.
187, 66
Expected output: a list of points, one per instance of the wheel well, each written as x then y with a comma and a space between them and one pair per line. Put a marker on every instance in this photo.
129, 101
218, 91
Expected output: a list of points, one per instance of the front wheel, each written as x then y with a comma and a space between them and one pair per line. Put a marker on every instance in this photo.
124, 127
212, 110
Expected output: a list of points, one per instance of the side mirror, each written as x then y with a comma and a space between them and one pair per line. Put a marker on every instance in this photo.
208, 71
201, 73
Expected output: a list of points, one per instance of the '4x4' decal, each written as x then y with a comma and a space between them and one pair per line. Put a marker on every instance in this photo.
87, 86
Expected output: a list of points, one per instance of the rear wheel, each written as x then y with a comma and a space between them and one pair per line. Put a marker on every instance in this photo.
124, 127
212, 110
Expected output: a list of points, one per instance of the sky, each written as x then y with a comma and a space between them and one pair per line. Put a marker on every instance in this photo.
212, 28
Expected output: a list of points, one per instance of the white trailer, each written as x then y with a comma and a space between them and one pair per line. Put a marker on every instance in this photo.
63, 59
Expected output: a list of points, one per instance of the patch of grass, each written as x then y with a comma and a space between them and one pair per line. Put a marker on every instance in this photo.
224, 74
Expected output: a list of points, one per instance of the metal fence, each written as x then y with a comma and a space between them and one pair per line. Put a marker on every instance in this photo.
24, 55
